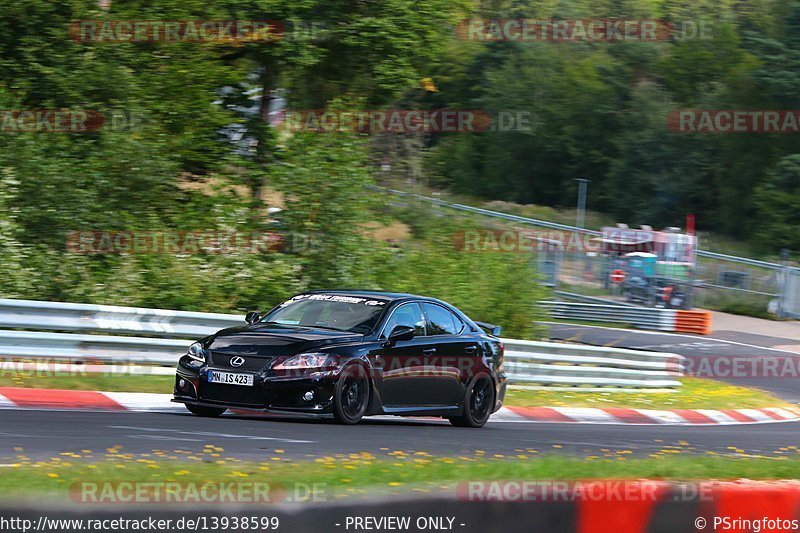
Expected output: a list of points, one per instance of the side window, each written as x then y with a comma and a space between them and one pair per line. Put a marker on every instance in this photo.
440, 320
406, 315
459, 324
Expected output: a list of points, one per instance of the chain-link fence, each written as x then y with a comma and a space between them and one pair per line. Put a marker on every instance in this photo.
789, 306
737, 287
714, 281
617, 265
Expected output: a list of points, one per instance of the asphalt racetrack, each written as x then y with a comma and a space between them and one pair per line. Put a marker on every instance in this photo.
45, 434
709, 356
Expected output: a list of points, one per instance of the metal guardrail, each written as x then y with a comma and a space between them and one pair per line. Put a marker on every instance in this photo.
528, 363
674, 320
640, 317
744, 260
76, 347
575, 229
707, 285
590, 299
487, 212
552, 366
60, 316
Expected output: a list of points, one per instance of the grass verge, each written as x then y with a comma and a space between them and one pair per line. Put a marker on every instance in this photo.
695, 393
96, 381
364, 473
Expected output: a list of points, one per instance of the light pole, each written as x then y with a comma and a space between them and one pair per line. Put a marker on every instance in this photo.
580, 219
582, 185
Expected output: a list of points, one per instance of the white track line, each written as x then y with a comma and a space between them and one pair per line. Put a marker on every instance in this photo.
5, 402
160, 403
210, 434
782, 412
504, 418
665, 417
718, 416
142, 401
755, 414
587, 414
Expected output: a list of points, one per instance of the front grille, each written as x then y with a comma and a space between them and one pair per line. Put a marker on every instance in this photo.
252, 363
217, 392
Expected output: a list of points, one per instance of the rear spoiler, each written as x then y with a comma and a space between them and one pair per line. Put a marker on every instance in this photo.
489, 328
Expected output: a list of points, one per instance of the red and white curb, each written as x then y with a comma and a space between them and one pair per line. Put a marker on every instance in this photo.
675, 417
53, 399
15, 397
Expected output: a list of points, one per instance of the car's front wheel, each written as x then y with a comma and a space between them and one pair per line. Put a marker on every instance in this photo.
351, 396
478, 403
200, 410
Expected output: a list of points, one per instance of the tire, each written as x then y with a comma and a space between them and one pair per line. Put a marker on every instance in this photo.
210, 412
351, 396
478, 403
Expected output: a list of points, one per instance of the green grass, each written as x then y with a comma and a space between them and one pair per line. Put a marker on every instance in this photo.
87, 381
695, 393
397, 472
755, 306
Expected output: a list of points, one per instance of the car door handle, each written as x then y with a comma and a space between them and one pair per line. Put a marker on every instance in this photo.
470, 350
429, 351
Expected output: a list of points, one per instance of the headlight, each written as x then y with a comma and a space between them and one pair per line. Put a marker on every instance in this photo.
307, 360
197, 352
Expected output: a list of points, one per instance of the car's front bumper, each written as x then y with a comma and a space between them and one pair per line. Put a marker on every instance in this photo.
273, 394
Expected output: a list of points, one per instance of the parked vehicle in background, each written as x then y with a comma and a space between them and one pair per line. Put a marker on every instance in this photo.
654, 292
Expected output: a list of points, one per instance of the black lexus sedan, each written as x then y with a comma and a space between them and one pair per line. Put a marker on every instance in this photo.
349, 354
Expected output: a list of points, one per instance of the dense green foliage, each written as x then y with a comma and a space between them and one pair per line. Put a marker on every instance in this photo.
598, 111
173, 172
601, 112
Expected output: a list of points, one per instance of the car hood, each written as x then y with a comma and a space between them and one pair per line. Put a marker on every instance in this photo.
273, 340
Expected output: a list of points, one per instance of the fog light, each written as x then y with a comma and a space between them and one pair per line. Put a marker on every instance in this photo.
182, 383
308, 396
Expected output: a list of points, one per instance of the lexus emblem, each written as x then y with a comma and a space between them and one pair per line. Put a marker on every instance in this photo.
237, 361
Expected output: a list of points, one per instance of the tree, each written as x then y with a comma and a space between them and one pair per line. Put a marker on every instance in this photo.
776, 201
16, 278
658, 175
324, 178
337, 49
568, 103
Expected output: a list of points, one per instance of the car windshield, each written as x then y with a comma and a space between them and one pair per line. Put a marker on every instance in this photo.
329, 311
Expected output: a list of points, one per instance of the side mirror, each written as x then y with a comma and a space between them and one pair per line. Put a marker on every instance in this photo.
401, 333
252, 317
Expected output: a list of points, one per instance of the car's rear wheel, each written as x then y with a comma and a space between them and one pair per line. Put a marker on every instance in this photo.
478, 403
200, 410
351, 396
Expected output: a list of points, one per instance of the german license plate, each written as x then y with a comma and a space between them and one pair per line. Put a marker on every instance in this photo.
229, 378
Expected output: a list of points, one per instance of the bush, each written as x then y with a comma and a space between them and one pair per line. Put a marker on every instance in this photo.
496, 287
